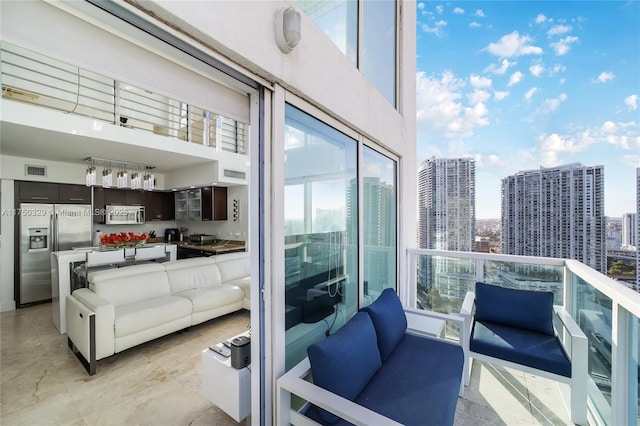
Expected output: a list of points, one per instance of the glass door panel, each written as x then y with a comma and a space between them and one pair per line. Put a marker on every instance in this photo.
321, 274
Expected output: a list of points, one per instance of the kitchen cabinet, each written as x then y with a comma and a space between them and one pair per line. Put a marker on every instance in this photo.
159, 205
114, 197
201, 204
74, 193
37, 191
134, 197
98, 205
52, 192
214, 203
188, 205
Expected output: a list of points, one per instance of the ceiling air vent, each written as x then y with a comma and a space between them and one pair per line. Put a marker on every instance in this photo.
234, 174
35, 171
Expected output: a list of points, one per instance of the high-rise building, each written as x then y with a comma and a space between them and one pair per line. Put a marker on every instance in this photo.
446, 220
556, 212
629, 229
638, 229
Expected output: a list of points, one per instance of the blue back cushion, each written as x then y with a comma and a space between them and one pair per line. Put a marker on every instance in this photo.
344, 362
527, 309
389, 320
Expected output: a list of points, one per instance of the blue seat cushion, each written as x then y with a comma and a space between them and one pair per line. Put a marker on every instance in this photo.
344, 362
527, 309
520, 346
417, 385
389, 320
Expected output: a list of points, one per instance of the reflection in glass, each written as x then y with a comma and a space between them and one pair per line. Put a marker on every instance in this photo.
379, 46
593, 315
321, 276
379, 222
338, 20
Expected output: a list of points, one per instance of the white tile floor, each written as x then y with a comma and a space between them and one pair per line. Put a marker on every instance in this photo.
42, 383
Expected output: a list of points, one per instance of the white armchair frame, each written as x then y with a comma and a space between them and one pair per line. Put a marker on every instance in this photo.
294, 382
568, 332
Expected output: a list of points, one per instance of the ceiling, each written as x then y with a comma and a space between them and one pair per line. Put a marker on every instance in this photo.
31, 142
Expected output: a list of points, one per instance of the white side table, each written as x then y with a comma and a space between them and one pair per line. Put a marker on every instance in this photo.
227, 387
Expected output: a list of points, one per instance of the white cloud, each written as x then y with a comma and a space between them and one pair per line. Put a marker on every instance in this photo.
420, 6
441, 112
513, 44
562, 80
552, 105
478, 82
632, 102
441, 23
605, 76
498, 96
609, 127
431, 30
487, 160
474, 25
478, 96
540, 18
558, 29
536, 69
621, 135
458, 11
504, 66
515, 78
479, 13
562, 47
530, 93
557, 68
439, 9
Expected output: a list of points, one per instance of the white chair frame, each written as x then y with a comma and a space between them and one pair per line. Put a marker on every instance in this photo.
567, 330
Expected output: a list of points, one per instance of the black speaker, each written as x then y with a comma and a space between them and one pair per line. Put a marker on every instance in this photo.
240, 352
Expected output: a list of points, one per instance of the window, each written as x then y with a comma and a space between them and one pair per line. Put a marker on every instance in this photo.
375, 55
321, 260
379, 222
323, 238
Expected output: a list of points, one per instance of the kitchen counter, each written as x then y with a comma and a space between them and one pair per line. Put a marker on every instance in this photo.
62, 263
215, 247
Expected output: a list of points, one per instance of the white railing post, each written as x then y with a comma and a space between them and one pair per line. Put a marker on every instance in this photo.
412, 288
620, 366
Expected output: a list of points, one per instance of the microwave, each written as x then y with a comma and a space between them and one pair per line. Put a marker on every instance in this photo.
124, 215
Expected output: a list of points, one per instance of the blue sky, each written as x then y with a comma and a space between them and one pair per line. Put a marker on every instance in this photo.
518, 85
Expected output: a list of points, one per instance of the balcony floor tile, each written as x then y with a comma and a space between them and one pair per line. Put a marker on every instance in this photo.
503, 396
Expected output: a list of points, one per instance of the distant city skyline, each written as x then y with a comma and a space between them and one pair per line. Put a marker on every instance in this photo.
520, 85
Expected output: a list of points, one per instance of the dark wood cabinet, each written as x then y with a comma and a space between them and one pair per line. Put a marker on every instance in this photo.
159, 206
47, 192
214, 203
74, 193
115, 197
37, 192
98, 205
134, 197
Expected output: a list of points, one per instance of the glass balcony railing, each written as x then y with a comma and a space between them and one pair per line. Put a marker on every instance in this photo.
36, 79
607, 312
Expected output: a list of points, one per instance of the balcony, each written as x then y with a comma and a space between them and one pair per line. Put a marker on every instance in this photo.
607, 312
35, 79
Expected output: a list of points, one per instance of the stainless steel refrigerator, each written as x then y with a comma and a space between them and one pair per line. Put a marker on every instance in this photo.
44, 229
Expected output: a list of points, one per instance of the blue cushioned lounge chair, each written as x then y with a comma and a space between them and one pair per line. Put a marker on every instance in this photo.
523, 330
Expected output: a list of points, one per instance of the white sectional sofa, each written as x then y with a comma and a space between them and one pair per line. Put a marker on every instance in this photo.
125, 307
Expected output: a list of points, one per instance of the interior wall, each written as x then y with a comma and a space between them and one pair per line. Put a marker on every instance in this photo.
7, 300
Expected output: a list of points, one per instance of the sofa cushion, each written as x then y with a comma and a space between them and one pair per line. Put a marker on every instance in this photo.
197, 272
421, 372
525, 309
344, 362
233, 266
206, 298
536, 350
134, 317
131, 284
389, 320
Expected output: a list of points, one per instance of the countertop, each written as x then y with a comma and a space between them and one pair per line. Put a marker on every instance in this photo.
215, 247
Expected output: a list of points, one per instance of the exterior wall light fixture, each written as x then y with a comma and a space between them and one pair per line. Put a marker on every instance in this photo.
287, 29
